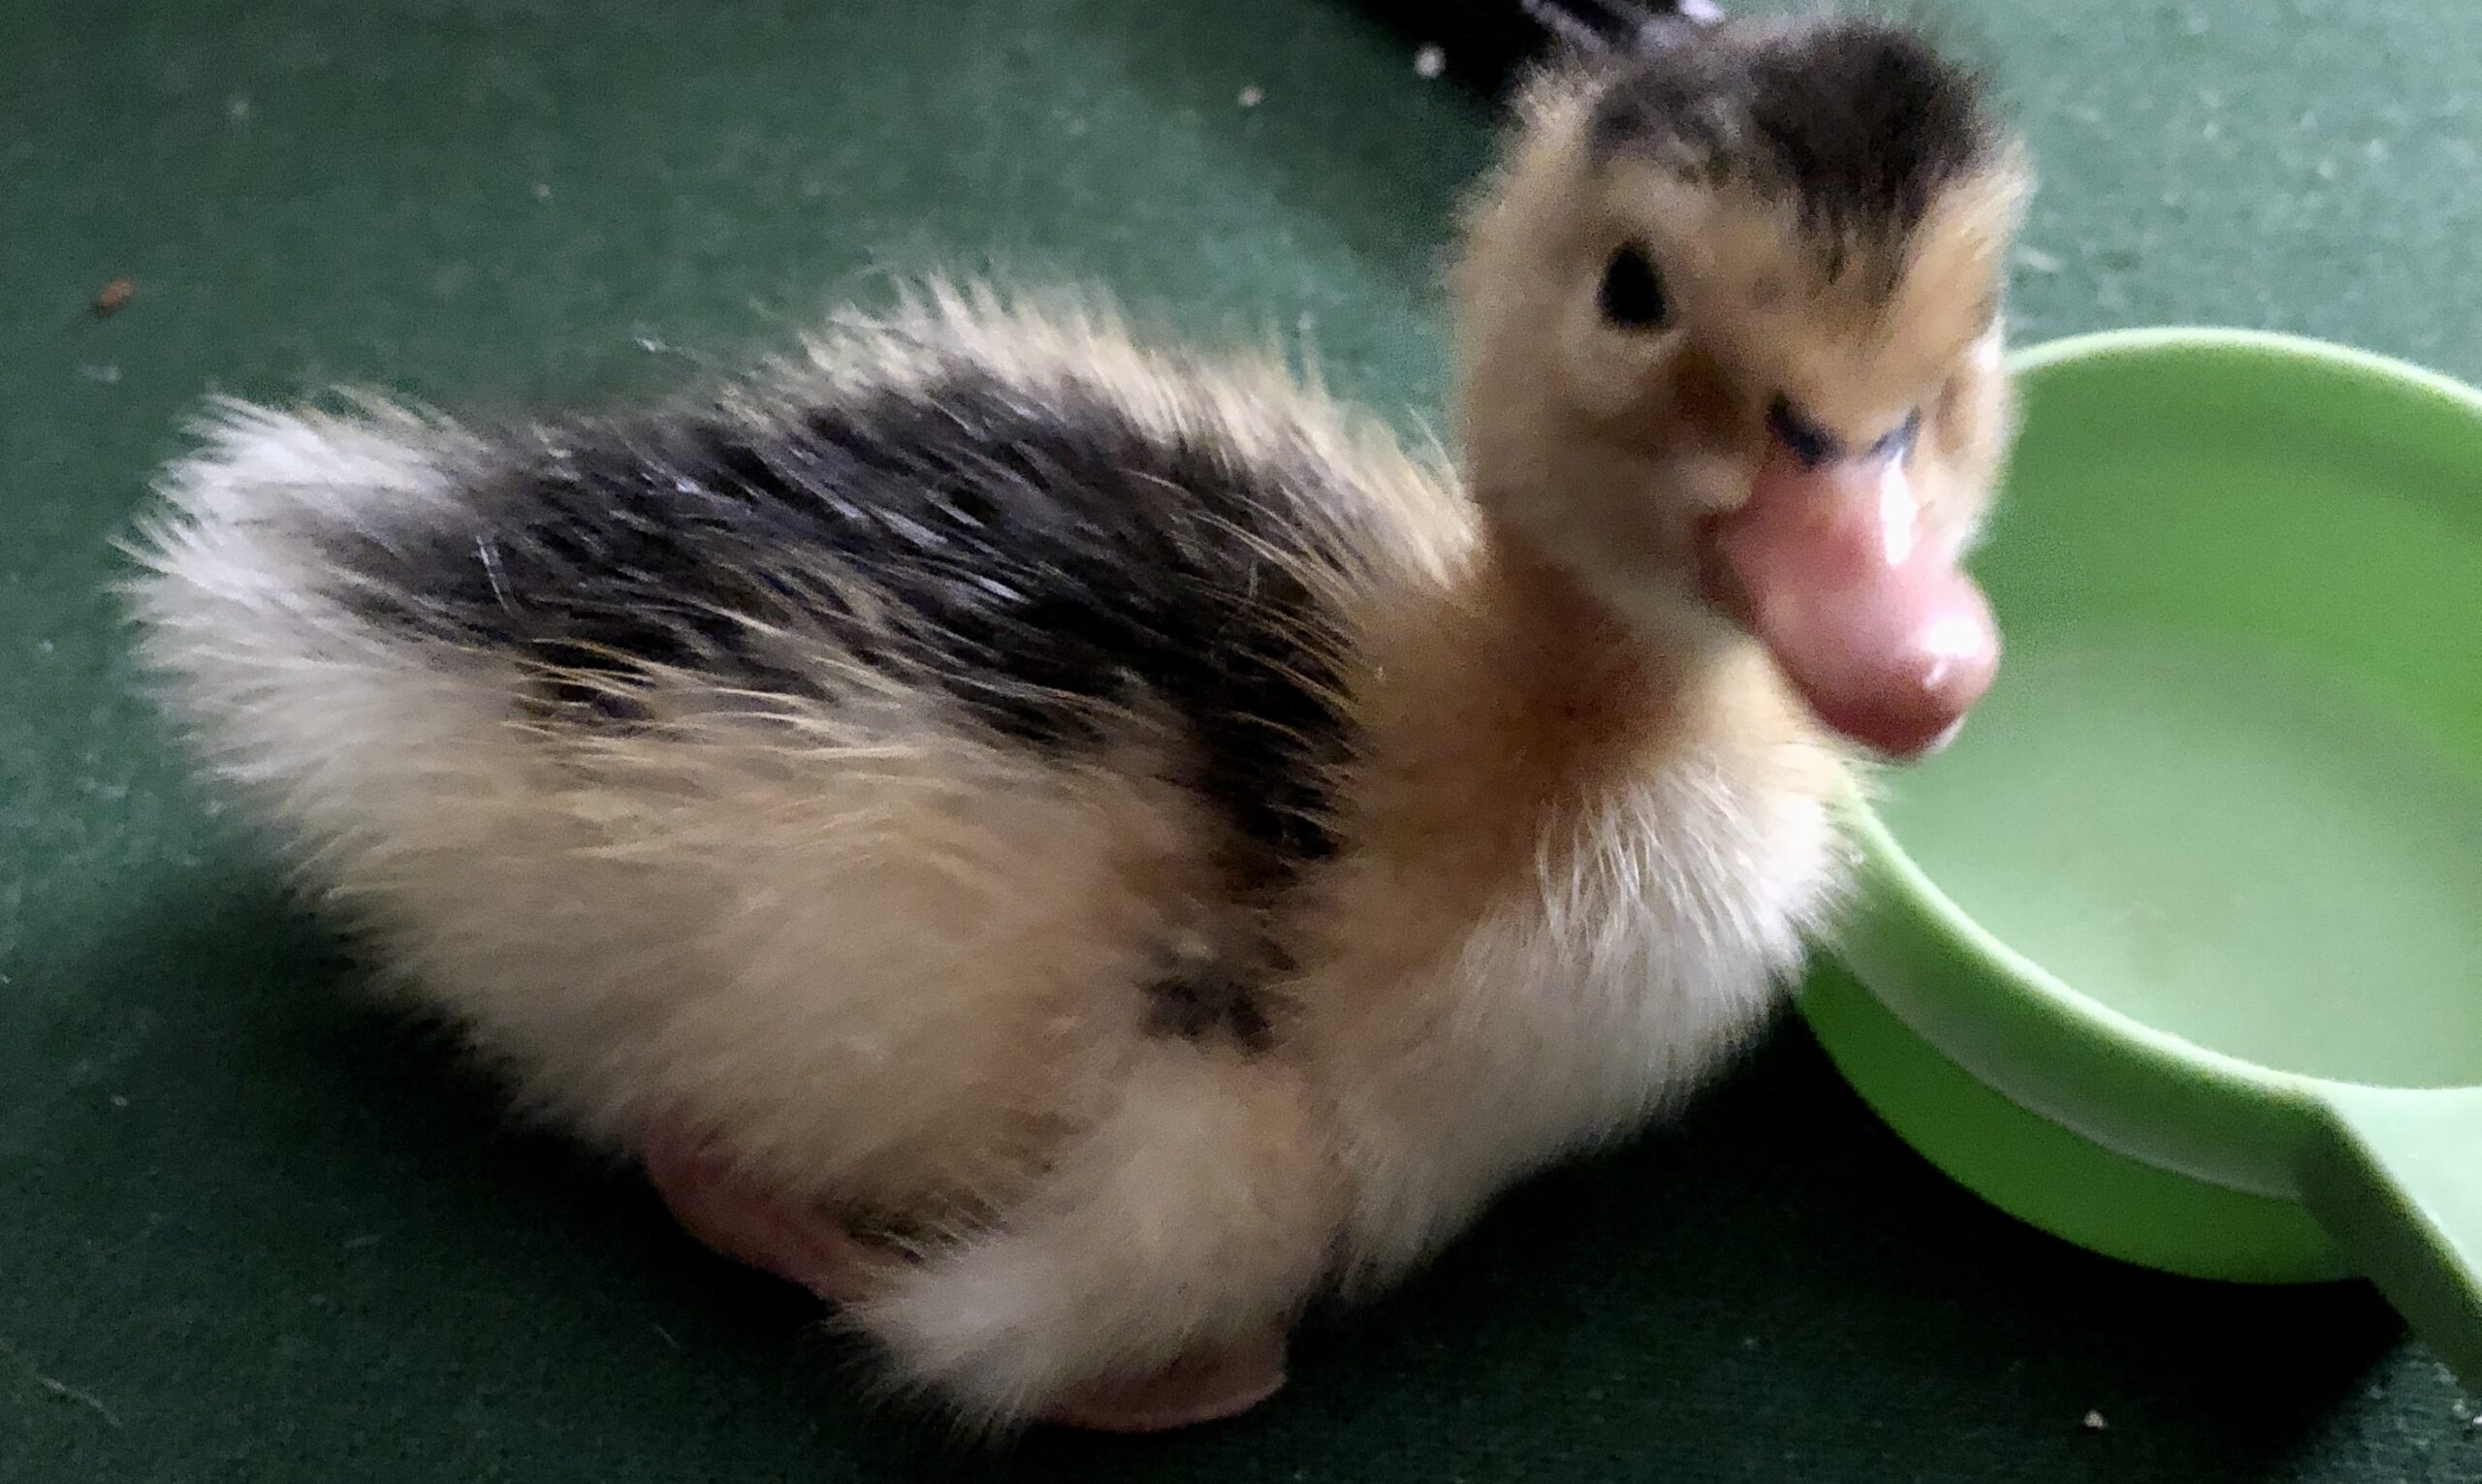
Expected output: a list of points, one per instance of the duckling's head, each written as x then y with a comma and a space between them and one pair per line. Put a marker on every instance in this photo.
1731, 312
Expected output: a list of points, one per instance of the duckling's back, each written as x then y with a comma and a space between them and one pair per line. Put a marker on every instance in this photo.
904, 728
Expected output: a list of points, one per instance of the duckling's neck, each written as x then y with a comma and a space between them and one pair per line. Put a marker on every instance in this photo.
1512, 696
1585, 859
1568, 668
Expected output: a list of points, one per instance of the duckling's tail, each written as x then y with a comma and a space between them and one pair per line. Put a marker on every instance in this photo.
255, 635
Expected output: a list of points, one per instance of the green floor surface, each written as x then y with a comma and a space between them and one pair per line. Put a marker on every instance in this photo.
251, 1230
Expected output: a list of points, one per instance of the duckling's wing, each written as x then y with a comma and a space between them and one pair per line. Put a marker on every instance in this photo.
1065, 546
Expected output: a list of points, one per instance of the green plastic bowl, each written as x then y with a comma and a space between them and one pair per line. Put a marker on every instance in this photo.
2177, 952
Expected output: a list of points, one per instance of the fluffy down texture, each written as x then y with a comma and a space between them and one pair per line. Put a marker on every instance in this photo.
1100, 819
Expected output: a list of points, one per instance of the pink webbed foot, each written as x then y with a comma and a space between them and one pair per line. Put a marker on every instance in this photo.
737, 1217
741, 1220
1203, 1386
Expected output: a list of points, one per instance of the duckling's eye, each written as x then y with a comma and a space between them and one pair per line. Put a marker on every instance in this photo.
1632, 296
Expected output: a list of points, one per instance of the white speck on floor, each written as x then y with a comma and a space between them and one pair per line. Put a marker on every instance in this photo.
1430, 62
60, 1388
2094, 1422
1252, 95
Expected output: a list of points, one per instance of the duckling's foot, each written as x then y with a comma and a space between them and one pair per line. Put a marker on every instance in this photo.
723, 1207
1202, 1386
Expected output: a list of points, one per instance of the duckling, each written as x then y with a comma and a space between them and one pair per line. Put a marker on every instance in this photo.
1074, 849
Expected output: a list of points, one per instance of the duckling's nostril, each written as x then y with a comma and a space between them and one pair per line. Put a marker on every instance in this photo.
1802, 438
1899, 440
1813, 446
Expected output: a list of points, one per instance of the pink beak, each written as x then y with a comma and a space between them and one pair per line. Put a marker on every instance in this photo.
1880, 631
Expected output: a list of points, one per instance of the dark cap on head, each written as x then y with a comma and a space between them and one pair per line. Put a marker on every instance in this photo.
1862, 122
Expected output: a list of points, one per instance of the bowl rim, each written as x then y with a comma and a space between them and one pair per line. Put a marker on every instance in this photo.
1899, 880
